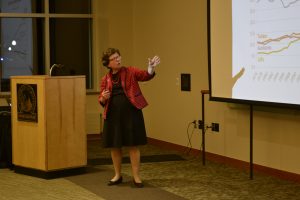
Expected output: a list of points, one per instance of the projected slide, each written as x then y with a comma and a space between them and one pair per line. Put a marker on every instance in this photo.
266, 50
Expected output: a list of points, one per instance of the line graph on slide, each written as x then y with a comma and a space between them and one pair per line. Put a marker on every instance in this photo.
264, 44
271, 33
277, 38
266, 50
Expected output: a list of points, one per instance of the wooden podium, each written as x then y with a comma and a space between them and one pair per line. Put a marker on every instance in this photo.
48, 122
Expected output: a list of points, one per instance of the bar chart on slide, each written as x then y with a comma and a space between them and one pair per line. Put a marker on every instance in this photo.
266, 42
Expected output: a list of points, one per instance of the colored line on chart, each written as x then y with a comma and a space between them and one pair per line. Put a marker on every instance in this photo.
280, 50
293, 35
282, 2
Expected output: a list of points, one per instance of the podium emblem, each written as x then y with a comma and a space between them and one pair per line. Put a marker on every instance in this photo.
27, 102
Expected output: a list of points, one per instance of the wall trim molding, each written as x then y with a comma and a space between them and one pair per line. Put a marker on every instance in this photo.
93, 136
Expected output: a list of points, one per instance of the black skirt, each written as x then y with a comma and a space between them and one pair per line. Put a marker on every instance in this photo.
124, 124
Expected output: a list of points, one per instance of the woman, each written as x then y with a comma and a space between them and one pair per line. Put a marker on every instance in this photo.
123, 102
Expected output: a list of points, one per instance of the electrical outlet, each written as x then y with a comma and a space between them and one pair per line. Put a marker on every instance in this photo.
195, 123
200, 124
215, 127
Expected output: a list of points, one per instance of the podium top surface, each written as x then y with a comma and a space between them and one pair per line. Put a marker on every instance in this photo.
46, 77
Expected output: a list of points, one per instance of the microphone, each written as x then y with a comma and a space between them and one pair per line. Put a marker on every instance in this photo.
55, 66
8, 100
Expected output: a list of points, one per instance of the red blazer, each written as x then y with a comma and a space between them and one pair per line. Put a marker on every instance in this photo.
129, 76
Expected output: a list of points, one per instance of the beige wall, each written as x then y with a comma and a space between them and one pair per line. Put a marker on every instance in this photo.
176, 31
113, 28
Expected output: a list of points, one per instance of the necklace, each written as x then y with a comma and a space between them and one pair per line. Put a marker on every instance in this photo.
115, 78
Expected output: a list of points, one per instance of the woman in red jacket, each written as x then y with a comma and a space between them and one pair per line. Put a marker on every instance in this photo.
123, 102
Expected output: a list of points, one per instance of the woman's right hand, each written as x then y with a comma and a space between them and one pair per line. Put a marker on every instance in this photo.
105, 95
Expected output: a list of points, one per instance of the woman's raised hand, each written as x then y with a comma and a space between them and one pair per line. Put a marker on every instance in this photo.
152, 62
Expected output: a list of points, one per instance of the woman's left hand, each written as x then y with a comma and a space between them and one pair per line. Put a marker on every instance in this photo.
152, 62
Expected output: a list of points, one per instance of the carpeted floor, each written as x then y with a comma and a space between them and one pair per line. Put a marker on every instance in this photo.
96, 182
185, 176
15, 186
166, 174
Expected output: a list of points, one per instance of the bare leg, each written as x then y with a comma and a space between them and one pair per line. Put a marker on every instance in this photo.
116, 155
134, 154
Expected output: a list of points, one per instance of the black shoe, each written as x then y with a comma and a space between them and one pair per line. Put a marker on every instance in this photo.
115, 182
138, 185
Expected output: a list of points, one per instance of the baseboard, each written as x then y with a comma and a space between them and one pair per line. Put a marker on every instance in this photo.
93, 136
229, 161
50, 174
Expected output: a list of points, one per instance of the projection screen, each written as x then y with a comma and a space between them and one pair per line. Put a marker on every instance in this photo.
254, 51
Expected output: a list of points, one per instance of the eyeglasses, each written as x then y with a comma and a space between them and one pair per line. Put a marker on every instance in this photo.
115, 58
